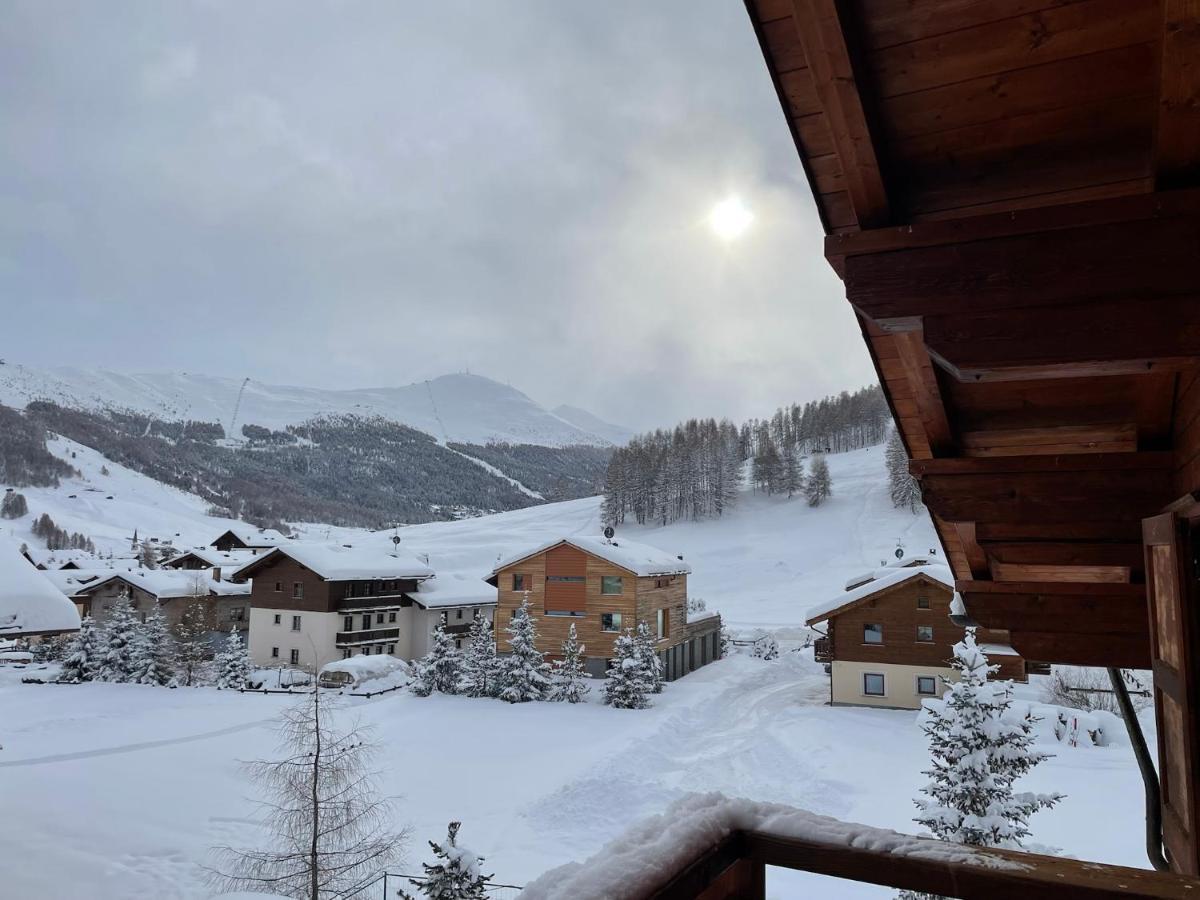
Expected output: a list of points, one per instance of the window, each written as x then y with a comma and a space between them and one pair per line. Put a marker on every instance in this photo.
457, 644
925, 633
661, 582
512, 614
346, 653
279, 587
348, 623
378, 618
926, 685
294, 657
610, 621
565, 579
366, 621
295, 623
922, 603
297, 590
564, 612
391, 617
237, 614
611, 584
274, 653
458, 613
391, 650
872, 634
872, 684
278, 619
664, 623
520, 582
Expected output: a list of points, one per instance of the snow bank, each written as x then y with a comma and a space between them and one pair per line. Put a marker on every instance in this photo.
29, 603
648, 854
1055, 725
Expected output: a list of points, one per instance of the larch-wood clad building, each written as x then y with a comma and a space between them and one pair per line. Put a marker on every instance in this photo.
604, 587
1010, 191
890, 636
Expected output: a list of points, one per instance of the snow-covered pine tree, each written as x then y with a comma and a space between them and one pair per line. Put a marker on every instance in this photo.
13, 506
570, 679
440, 669
905, 490
818, 487
83, 653
978, 755
154, 651
233, 662
647, 648
793, 474
628, 684
458, 874
147, 558
525, 674
193, 650
120, 642
480, 673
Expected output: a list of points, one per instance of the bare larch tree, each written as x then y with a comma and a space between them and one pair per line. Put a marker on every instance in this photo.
329, 826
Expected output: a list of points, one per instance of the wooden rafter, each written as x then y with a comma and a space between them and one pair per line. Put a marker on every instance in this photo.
822, 29
922, 379
1177, 132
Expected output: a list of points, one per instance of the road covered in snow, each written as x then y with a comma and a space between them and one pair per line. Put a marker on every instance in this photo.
118, 791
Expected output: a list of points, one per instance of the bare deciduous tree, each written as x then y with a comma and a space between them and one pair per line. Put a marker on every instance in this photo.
329, 826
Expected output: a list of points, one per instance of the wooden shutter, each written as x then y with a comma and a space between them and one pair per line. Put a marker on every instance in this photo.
1171, 598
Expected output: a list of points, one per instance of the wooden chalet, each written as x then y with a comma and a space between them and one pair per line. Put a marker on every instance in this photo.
1010, 191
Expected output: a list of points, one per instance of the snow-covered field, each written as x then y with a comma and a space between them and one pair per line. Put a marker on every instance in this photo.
118, 791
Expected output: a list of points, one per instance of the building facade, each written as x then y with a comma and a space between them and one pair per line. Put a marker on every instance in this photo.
602, 588
889, 639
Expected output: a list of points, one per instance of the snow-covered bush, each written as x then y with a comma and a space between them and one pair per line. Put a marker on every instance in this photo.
458, 875
480, 674
1077, 687
233, 662
628, 685
978, 755
438, 670
525, 674
570, 680
766, 647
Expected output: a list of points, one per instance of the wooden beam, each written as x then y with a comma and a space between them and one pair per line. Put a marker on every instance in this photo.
976, 557
1126, 555
922, 380
1177, 135
1121, 650
1129, 260
1025, 572
822, 28
1050, 441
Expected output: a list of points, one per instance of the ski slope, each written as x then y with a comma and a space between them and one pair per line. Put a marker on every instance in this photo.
464, 408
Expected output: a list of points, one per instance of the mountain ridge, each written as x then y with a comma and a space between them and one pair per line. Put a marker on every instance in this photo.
455, 407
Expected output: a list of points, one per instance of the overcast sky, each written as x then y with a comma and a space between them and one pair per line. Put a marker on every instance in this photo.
356, 194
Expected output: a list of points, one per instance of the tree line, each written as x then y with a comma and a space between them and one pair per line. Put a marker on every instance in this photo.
694, 471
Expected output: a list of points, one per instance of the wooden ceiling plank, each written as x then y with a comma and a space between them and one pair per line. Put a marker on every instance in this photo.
919, 373
1049, 441
887, 23
1177, 135
822, 33
1130, 651
1002, 571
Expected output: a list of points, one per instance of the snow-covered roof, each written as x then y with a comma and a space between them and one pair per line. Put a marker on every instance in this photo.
904, 562
227, 560
168, 584
337, 562
886, 578
450, 589
254, 537
56, 559
29, 603
640, 559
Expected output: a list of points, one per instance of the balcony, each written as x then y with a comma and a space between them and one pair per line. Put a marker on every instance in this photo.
356, 638
364, 603
708, 847
823, 650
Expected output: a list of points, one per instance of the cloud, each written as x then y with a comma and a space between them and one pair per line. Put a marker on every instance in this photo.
171, 68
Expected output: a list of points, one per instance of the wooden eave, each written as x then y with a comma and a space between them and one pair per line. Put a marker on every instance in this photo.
878, 595
1011, 195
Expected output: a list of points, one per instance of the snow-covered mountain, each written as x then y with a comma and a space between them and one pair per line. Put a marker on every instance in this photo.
464, 408
592, 424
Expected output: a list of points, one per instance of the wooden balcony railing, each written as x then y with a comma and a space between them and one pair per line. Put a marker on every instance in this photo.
710, 848
823, 650
354, 638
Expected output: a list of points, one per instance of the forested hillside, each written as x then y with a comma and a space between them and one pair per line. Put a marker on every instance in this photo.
557, 473
342, 470
694, 470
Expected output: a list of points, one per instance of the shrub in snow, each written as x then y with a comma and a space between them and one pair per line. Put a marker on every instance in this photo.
480, 666
153, 652
52, 649
1088, 689
121, 643
570, 680
439, 669
329, 825
904, 489
818, 487
457, 876
726, 643
766, 647
83, 653
978, 754
525, 674
233, 662
696, 605
647, 647
628, 685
